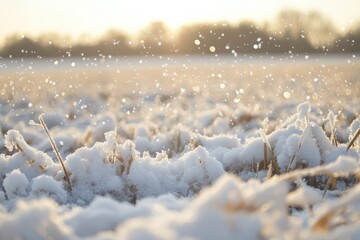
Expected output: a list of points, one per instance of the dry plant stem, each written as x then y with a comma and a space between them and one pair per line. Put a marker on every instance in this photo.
128, 167
56, 150
291, 161
353, 139
19, 148
178, 141
276, 166
330, 182
273, 166
319, 170
334, 139
295, 153
269, 171
265, 156
113, 156
310, 209
322, 224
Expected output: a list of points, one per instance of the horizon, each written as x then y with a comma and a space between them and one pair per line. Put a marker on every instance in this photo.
67, 18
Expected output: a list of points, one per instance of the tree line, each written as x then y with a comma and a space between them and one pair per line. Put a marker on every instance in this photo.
291, 32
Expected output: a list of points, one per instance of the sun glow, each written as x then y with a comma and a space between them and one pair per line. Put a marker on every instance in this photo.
96, 17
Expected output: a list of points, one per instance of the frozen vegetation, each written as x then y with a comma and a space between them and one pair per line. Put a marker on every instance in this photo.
183, 166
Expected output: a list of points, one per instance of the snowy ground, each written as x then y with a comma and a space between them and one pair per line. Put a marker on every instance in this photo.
187, 150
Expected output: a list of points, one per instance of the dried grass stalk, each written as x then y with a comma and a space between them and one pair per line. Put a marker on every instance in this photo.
334, 138
275, 166
269, 171
56, 150
330, 183
19, 148
296, 152
265, 155
322, 224
353, 139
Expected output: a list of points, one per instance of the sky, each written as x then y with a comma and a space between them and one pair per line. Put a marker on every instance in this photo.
94, 17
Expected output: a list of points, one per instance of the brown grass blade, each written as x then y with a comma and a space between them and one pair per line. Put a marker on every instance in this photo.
330, 183
322, 224
269, 171
56, 150
265, 156
19, 148
334, 138
353, 139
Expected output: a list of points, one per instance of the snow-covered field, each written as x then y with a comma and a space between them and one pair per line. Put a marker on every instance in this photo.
180, 148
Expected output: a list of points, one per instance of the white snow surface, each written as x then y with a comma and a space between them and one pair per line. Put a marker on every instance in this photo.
136, 177
230, 208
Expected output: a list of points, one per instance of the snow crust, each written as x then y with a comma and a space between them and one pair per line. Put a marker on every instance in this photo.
133, 178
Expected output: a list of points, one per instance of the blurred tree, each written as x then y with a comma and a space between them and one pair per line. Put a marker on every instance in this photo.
16, 46
251, 38
155, 39
320, 30
189, 39
290, 24
305, 32
114, 42
292, 32
349, 42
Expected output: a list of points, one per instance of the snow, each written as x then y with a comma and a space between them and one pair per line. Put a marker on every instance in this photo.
169, 165
29, 160
89, 174
309, 153
15, 184
304, 195
230, 208
303, 110
253, 152
37, 219
46, 186
343, 165
332, 118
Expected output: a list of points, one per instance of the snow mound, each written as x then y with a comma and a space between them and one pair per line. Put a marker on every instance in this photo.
136, 177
